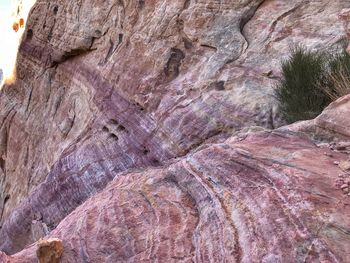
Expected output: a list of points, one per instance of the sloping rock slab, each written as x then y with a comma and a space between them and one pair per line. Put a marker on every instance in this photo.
263, 197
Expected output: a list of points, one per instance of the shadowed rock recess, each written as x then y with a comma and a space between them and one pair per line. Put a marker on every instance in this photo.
148, 131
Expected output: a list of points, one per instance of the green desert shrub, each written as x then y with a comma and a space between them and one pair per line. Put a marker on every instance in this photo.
310, 81
337, 83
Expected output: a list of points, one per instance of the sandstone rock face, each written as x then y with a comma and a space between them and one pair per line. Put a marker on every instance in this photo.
345, 15
330, 126
264, 197
4, 258
108, 86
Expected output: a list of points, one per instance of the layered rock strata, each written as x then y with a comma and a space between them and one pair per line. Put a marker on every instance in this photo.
108, 86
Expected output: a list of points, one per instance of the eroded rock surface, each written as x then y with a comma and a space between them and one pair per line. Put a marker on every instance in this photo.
266, 197
106, 86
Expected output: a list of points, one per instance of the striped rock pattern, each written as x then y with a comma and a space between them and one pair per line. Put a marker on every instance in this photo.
108, 86
263, 197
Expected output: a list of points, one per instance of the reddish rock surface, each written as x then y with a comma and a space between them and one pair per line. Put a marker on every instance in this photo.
127, 135
268, 196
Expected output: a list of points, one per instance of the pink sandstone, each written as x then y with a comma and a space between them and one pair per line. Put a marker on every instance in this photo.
143, 130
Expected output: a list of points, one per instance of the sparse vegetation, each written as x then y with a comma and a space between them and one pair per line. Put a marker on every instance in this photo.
338, 77
310, 81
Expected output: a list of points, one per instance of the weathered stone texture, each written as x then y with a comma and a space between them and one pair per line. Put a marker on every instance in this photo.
265, 197
108, 86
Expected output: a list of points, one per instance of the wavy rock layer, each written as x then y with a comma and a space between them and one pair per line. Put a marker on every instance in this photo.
262, 197
105, 86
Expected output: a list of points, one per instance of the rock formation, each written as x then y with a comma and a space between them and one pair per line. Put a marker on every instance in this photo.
143, 130
49, 251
